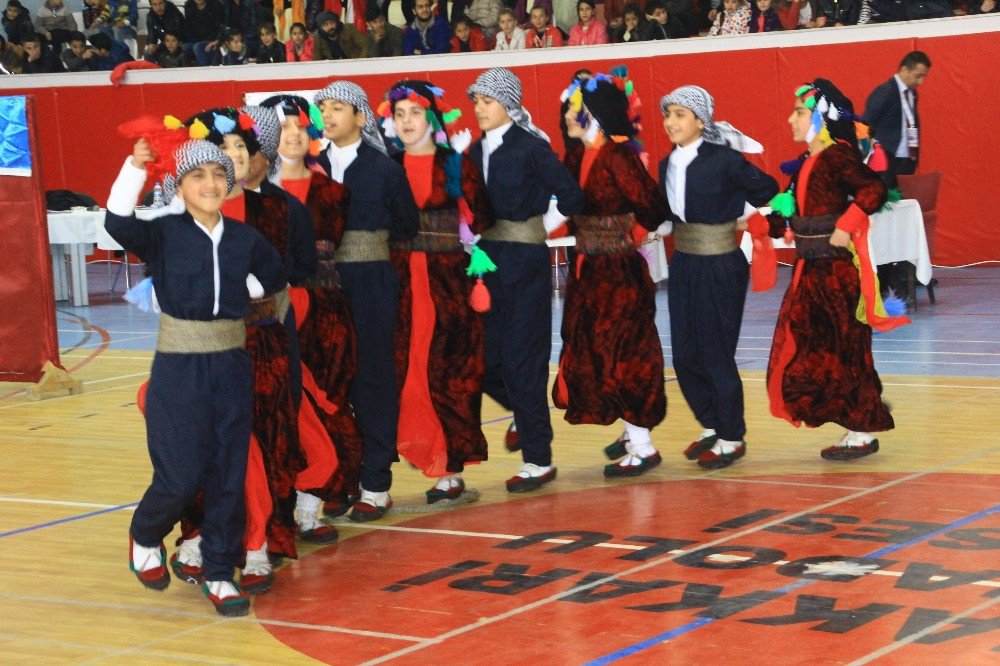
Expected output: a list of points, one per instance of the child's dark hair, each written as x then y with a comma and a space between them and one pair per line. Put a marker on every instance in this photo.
462, 20
173, 33
267, 27
229, 34
654, 5
542, 8
300, 26
76, 36
632, 8
99, 40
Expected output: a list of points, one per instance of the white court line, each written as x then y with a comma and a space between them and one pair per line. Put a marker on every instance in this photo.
926, 631
27, 500
486, 621
161, 639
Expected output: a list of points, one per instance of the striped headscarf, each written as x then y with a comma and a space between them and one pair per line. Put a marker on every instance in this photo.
351, 93
503, 85
702, 104
192, 154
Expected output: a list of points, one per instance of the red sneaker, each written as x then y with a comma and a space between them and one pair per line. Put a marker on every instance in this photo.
512, 440
232, 605
710, 460
156, 578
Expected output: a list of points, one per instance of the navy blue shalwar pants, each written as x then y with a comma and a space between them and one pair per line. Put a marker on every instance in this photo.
706, 295
518, 341
199, 415
372, 288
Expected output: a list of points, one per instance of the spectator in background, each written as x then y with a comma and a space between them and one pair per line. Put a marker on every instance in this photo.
793, 13
486, 14
589, 29
427, 33
232, 49
204, 21
241, 15
521, 10
76, 57
985, 7
170, 52
55, 22
91, 14
17, 22
838, 12
336, 40
384, 39
299, 48
468, 38
891, 113
681, 17
163, 17
109, 52
118, 19
510, 37
543, 34
764, 17
661, 25
632, 26
38, 57
613, 14
11, 56
734, 19
269, 49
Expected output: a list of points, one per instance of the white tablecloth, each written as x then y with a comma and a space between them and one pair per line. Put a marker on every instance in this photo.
895, 235
72, 227
75, 233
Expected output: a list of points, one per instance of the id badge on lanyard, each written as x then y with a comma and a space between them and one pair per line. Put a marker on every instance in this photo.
912, 131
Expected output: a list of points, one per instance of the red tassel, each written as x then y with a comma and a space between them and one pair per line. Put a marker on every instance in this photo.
480, 298
764, 267
878, 161
162, 141
246, 122
140, 397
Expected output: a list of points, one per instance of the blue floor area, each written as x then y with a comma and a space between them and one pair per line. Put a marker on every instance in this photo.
960, 336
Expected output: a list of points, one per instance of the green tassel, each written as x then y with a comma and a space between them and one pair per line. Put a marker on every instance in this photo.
620, 71
316, 117
452, 116
894, 195
479, 263
629, 87
802, 90
783, 204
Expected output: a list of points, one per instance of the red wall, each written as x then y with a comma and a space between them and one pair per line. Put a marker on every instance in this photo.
753, 90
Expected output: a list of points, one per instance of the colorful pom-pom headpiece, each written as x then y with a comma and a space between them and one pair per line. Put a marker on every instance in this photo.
833, 118
214, 124
610, 99
308, 116
425, 94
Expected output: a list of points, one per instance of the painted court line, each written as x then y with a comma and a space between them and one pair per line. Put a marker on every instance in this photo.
484, 622
70, 519
151, 643
28, 500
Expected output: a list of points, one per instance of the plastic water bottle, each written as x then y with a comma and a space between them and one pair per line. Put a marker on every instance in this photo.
157, 196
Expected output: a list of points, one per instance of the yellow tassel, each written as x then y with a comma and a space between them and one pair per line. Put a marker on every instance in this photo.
825, 137
171, 122
198, 130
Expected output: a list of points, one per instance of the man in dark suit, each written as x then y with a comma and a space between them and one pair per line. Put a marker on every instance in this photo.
891, 112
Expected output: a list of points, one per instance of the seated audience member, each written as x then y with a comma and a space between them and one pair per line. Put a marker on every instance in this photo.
170, 52
163, 17
232, 50
109, 52
764, 17
11, 57
838, 12
734, 19
794, 14
336, 40
38, 57
77, 57
468, 38
589, 29
54, 22
510, 37
632, 26
384, 39
486, 14
428, 33
662, 25
299, 48
204, 21
542, 33
118, 19
17, 22
269, 49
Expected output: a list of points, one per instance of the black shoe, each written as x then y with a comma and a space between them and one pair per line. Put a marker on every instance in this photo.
839, 452
436, 494
697, 448
520, 484
616, 470
712, 460
617, 449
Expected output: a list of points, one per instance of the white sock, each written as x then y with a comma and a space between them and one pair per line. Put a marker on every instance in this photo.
513, 426
307, 511
189, 552
380, 500
448, 482
707, 432
724, 446
531, 470
223, 589
144, 559
639, 441
257, 562
856, 439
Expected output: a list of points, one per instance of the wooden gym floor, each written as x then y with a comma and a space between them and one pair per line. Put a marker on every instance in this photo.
782, 558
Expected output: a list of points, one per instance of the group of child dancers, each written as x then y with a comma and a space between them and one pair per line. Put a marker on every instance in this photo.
323, 308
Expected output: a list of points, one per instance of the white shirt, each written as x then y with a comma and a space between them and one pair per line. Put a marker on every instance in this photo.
341, 158
677, 166
491, 142
516, 42
903, 149
216, 236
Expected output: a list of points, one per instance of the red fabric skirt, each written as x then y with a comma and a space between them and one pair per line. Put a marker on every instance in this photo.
821, 368
611, 365
439, 362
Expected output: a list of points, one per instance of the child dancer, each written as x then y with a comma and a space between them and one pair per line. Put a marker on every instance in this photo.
611, 366
199, 406
707, 183
521, 173
439, 339
821, 368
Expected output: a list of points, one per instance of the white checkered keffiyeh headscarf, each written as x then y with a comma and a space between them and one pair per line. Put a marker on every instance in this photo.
268, 129
352, 93
192, 154
702, 104
503, 85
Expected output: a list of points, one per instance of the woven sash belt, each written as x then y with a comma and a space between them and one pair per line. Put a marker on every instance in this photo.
604, 234
359, 246
705, 239
530, 231
269, 308
438, 233
188, 336
812, 238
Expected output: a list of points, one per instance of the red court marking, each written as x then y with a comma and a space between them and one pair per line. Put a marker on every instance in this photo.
346, 585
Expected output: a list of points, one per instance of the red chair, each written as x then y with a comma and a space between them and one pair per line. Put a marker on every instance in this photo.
924, 188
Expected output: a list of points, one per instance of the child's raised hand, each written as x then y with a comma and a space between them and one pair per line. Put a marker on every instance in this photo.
142, 154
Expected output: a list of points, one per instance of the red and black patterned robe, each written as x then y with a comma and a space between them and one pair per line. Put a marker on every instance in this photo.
439, 337
611, 365
821, 368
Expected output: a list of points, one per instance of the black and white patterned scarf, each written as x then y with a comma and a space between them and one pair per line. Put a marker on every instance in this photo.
702, 104
192, 154
503, 85
352, 93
